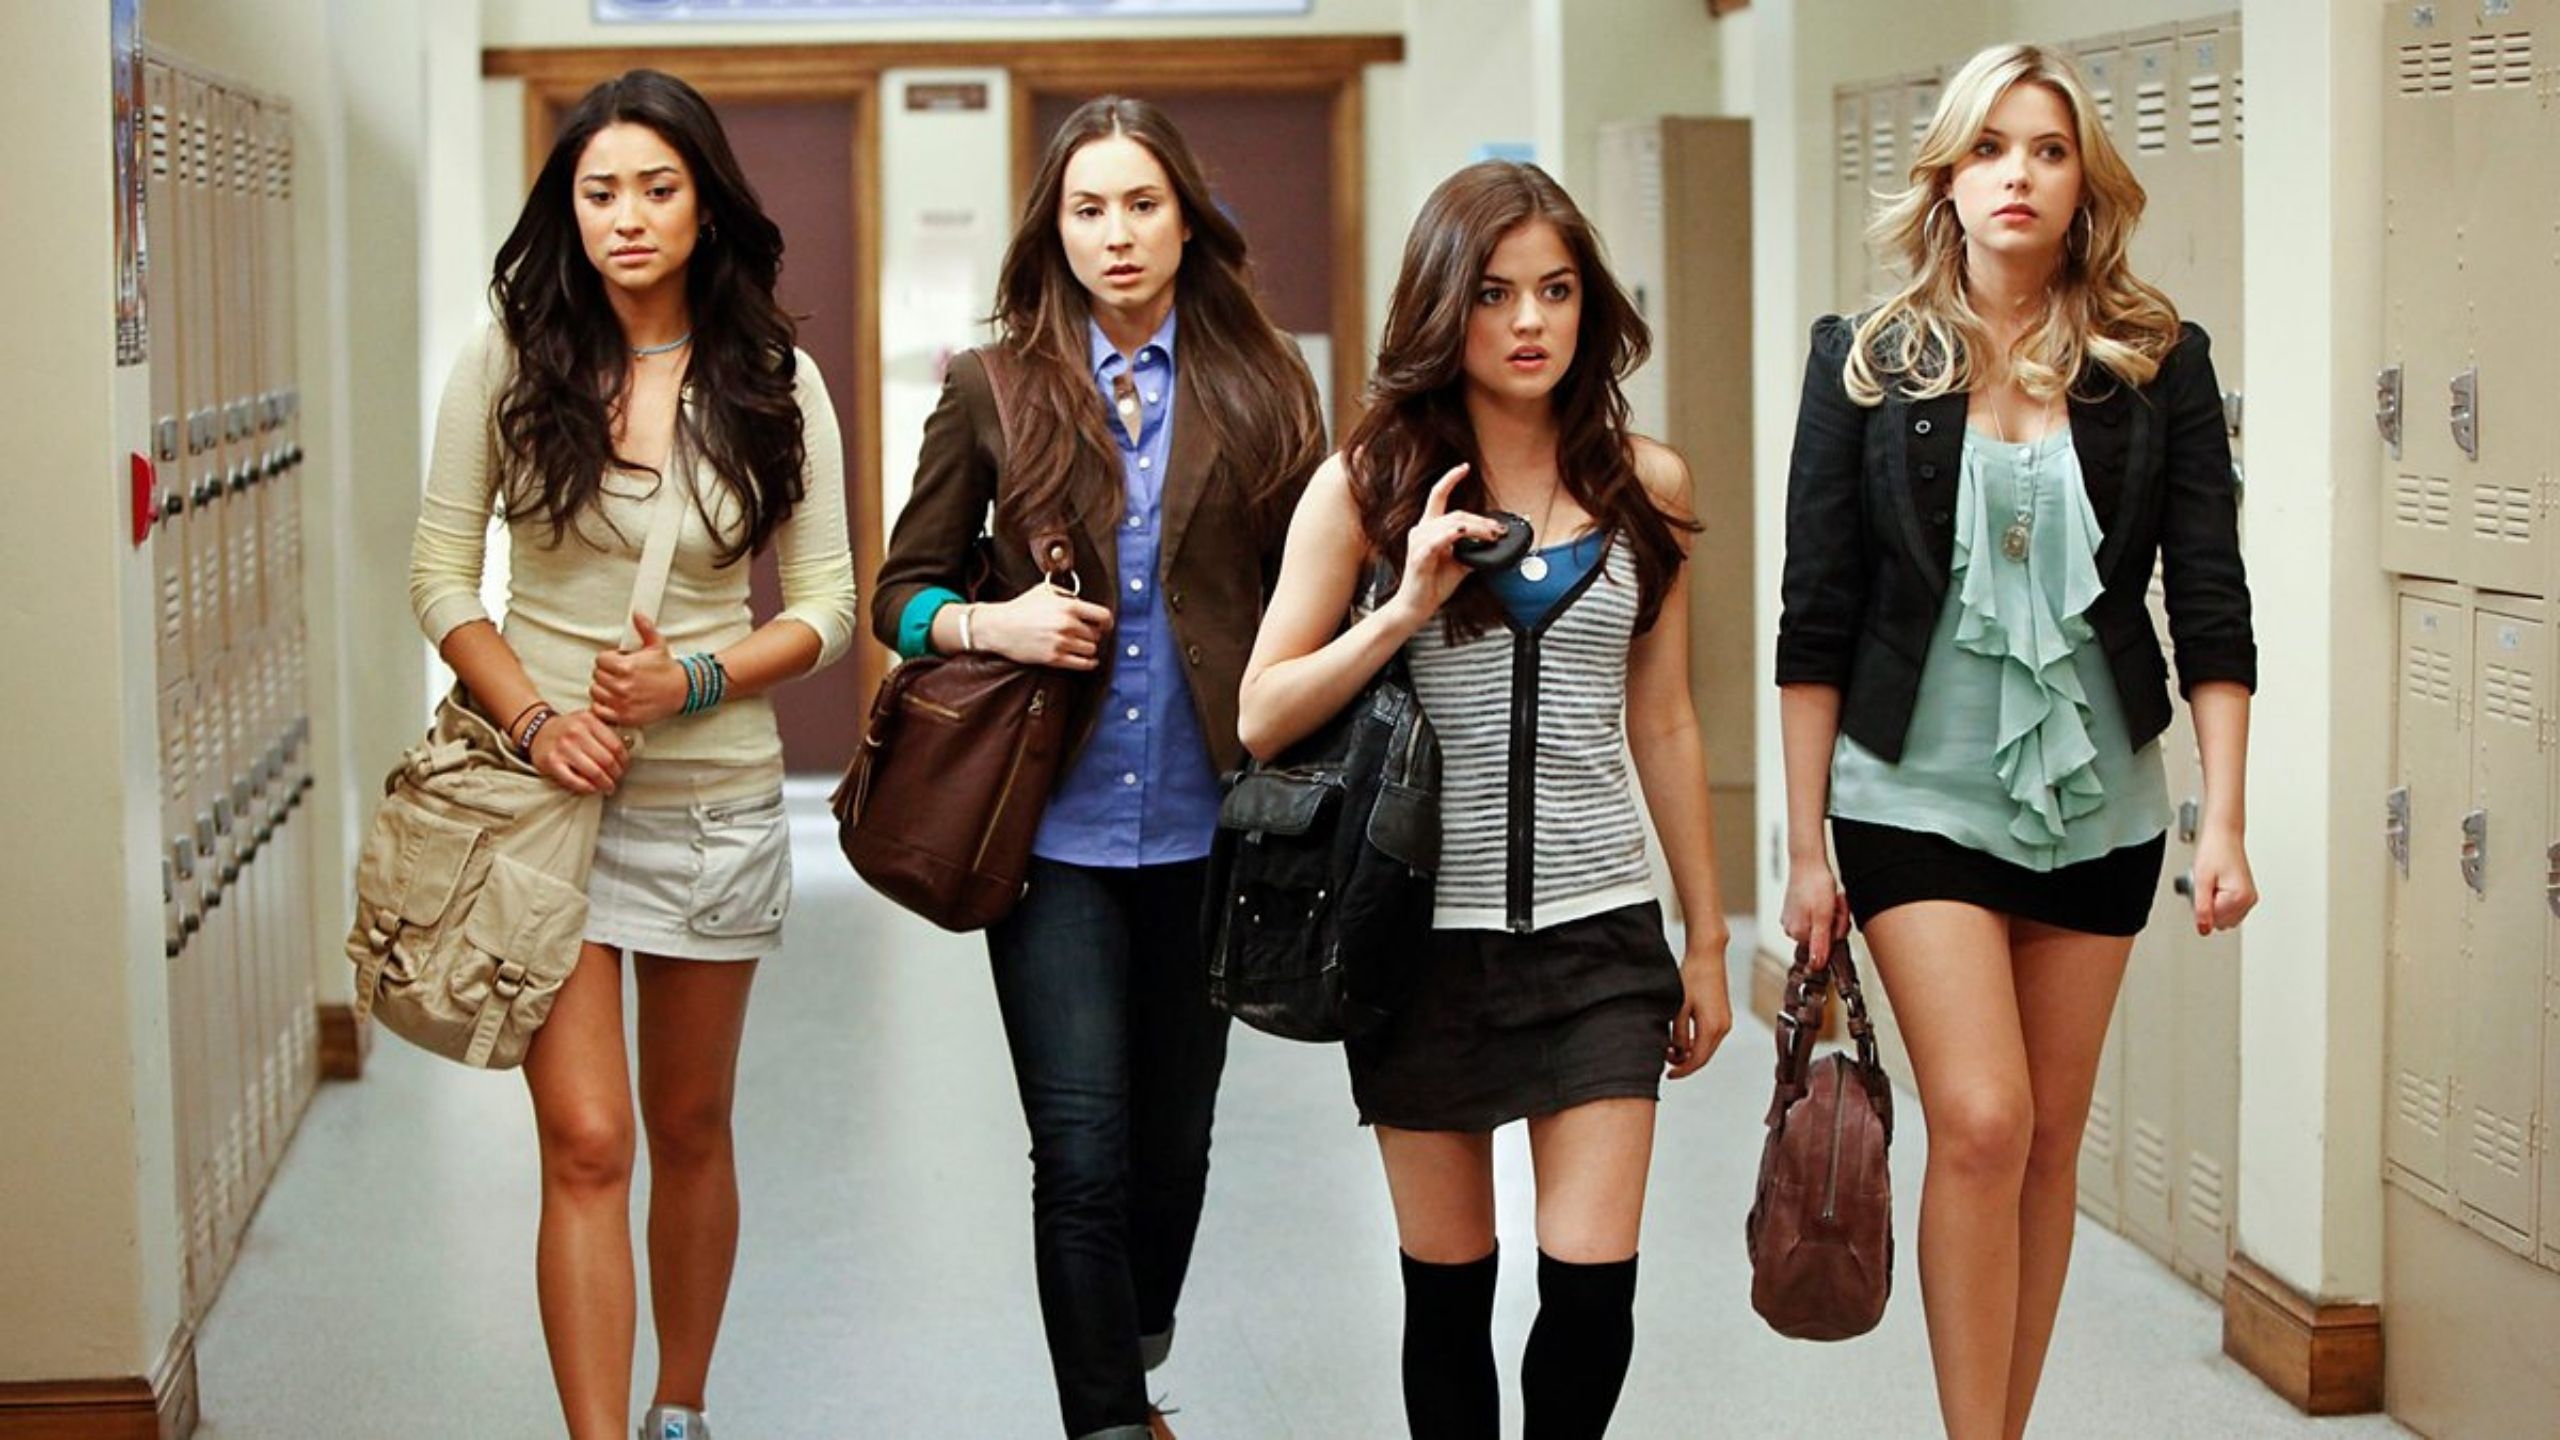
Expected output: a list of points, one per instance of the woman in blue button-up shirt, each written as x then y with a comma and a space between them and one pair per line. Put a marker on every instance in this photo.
1166, 425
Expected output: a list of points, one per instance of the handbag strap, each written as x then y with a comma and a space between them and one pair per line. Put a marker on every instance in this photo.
1799, 1023
658, 549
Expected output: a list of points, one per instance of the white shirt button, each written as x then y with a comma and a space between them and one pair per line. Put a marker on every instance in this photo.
1137, 585
1137, 522
1146, 463
1132, 712
1128, 777
1133, 652
1151, 397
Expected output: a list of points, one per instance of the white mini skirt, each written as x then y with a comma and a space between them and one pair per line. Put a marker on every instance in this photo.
692, 880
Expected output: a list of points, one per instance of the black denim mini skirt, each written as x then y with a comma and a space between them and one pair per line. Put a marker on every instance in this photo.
1499, 1027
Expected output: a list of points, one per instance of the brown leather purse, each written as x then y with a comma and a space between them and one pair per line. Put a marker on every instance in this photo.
1820, 1230
958, 756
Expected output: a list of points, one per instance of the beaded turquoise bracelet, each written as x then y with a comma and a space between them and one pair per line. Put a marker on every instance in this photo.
706, 682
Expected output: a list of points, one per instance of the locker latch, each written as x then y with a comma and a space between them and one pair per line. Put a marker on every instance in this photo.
2231, 413
2475, 851
2466, 411
2386, 407
2189, 815
2551, 877
2395, 828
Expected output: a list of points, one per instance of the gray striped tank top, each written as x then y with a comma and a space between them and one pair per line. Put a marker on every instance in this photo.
1538, 822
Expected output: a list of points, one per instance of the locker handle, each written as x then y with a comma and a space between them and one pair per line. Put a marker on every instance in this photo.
2185, 884
2190, 817
2475, 851
2466, 412
2551, 877
2395, 828
2386, 407
173, 502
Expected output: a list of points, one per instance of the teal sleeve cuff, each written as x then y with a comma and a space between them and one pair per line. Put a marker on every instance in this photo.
915, 627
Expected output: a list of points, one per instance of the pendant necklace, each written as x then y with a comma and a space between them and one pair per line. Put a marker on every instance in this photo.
2013, 541
1533, 566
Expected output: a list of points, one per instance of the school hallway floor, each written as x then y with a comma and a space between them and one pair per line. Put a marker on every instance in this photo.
884, 1284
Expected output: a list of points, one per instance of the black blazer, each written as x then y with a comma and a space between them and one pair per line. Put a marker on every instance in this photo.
1871, 534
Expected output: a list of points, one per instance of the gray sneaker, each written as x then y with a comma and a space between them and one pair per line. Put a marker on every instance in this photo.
674, 1422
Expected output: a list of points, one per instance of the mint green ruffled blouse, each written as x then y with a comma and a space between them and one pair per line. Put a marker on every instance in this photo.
2017, 745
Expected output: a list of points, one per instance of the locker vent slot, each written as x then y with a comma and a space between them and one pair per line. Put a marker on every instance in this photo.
2426, 67
1880, 149
2204, 1191
2106, 100
2151, 118
2422, 1102
2425, 501
2098, 1136
2239, 108
2497, 1142
173, 607
2506, 694
2502, 60
2204, 112
2502, 512
1924, 108
2150, 1159
1852, 157
2430, 675
160, 141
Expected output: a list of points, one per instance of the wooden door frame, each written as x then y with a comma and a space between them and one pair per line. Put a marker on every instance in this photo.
554, 78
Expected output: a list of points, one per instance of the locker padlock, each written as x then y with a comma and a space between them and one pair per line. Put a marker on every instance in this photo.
2475, 851
2185, 884
2466, 412
165, 438
2190, 814
2386, 407
2395, 828
208, 489
2239, 483
241, 475
2551, 877
173, 502
2231, 412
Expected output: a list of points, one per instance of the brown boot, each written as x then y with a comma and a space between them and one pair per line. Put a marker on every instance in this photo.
1157, 1429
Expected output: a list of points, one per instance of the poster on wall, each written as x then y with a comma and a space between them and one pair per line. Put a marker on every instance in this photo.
641, 12
125, 54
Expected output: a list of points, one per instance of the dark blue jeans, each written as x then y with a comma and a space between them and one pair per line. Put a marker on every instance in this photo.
1104, 990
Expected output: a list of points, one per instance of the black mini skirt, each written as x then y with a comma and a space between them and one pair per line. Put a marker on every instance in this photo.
1882, 866
1499, 1027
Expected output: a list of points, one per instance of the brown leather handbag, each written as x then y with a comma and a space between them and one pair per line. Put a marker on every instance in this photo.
1820, 1230
958, 756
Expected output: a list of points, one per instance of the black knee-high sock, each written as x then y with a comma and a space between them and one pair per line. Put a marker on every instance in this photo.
1450, 1392
1577, 1357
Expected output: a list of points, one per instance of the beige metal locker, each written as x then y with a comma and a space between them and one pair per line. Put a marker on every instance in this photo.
1888, 171
2101, 61
2502, 374
1849, 199
2497, 1052
2550, 1116
2422, 325
2422, 835
2101, 1169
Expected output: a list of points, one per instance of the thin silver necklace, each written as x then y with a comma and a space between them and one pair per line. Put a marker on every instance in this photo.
2013, 541
677, 343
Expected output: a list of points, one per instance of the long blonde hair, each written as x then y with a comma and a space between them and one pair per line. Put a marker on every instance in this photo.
1927, 337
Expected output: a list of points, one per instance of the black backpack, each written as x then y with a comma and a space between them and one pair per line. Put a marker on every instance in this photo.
1320, 879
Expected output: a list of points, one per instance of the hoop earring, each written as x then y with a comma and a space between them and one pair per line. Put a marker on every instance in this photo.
1930, 221
710, 230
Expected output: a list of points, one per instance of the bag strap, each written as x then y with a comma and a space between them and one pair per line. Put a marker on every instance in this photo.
658, 550
1051, 549
1799, 1023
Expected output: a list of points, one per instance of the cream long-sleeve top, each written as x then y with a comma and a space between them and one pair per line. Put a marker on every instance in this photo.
568, 602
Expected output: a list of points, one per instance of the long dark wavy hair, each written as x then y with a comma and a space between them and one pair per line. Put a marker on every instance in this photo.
1416, 424
1253, 392
554, 426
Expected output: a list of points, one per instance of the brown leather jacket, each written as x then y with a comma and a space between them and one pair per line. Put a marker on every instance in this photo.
1215, 567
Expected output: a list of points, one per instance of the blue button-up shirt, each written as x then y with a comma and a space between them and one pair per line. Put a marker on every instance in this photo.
1143, 792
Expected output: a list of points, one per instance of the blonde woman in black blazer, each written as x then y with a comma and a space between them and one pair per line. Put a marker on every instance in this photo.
1985, 468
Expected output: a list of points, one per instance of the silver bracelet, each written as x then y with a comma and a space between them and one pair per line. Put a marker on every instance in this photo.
967, 642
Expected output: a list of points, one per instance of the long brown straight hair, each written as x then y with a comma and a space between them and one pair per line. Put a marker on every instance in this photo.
1252, 389
1416, 426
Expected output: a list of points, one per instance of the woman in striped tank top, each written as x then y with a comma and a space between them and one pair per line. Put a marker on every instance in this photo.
1549, 993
